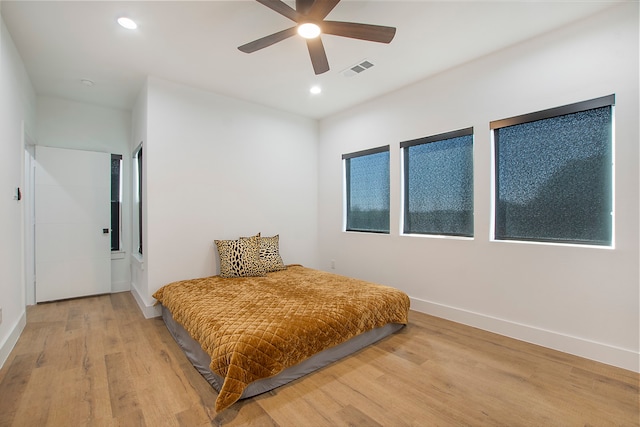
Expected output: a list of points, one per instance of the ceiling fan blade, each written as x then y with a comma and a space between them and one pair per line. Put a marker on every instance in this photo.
303, 6
321, 8
373, 33
282, 8
318, 55
268, 40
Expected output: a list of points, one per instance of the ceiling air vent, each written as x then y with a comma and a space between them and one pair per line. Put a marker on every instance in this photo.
357, 68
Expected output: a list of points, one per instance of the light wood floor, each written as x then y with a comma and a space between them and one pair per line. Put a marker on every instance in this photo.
97, 362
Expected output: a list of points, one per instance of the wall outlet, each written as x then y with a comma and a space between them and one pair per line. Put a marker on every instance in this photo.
333, 264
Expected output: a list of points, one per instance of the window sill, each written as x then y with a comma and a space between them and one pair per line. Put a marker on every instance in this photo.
436, 236
561, 244
138, 259
118, 254
377, 233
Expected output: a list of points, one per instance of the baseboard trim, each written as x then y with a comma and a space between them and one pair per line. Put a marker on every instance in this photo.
12, 339
148, 311
600, 352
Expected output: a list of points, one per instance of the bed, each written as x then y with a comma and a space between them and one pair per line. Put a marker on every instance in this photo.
248, 335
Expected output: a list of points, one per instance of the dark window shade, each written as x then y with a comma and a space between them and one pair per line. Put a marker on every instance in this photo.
554, 179
139, 159
367, 187
116, 163
438, 184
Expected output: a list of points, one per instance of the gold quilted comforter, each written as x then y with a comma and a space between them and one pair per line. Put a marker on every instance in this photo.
254, 327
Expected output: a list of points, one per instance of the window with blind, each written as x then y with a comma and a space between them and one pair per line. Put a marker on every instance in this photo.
137, 181
116, 201
553, 174
367, 190
438, 184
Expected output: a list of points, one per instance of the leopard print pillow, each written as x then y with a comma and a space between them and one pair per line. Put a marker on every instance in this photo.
240, 258
270, 253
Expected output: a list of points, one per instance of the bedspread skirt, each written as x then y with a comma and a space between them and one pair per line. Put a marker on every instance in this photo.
254, 327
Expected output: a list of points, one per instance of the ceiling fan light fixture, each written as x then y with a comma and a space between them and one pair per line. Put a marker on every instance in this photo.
309, 30
310, 16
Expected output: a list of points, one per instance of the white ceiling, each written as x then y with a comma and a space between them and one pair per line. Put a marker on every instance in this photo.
195, 43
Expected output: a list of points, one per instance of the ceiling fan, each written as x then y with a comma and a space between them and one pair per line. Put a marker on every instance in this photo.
309, 16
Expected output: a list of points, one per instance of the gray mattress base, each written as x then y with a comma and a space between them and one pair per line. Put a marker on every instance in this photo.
201, 360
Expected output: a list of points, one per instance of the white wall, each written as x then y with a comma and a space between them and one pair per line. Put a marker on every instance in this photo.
219, 168
81, 126
139, 280
580, 300
17, 109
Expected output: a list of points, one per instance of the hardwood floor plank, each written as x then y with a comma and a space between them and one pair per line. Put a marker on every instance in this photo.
98, 362
351, 382
352, 416
403, 346
290, 408
246, 413
33, 408
156, 408
132, 419
195, 416
15, 380
123, 396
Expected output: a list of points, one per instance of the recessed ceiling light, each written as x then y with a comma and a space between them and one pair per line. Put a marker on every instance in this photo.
127, 23
315, 90
309, 31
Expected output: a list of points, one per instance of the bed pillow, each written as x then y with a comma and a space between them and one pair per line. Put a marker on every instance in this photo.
270, 253
240, 258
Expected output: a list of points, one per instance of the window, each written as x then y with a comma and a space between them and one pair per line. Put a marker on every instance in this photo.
438, 184
367, 190
553, 174
137, 182
116, 200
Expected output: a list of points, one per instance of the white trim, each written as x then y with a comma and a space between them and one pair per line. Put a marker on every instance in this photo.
344, 196
12, 339
492, 189
567, 245
601, 352
613, 176
137, 257
436, 236
148, 311
28, 203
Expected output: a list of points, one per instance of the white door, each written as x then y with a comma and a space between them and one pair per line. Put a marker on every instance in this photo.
72, 223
